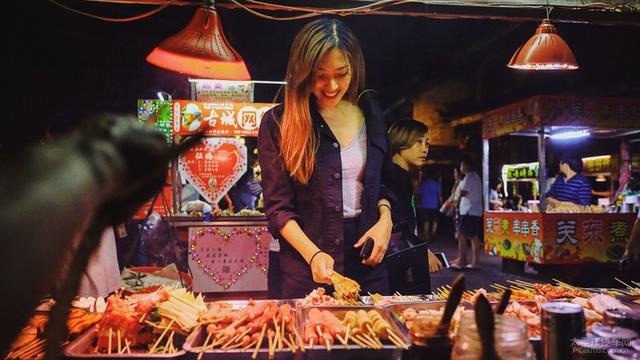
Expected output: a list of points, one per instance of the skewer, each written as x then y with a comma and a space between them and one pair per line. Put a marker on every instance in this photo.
204, 346
110, 333
249, 345
153, 348
623, 283
286, 342
144, 316
27, 348
373, 341
310, 343
359, 343
119, 342
292, 341
259, 342
365, 341
282, 328
126, 345
279, 331
272, 343
300, 342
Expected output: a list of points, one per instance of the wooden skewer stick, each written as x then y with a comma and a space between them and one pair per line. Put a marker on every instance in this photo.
282, 332
371, 341
18, 353
359, 343
272, 345
153, 348
204, 346
119, 342
277, 338
31, 354
287, 343
170, 341
347, 333
364, 341
249, 345
310, 343
300, 342
390, 333
373, 334
292, 340
110, 333
126, 344
259, 342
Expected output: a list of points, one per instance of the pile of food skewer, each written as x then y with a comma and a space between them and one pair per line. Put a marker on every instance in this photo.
30, 342
158, 321
346, 290
364, 328
629, 290
227, 328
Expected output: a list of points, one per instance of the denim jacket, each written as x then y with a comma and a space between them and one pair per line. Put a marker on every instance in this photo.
317, 206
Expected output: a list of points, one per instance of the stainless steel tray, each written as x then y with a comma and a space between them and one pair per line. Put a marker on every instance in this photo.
399, 300
198, 336
82, 348
388, 347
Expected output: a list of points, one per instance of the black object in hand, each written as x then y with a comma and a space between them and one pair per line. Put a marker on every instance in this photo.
367, 248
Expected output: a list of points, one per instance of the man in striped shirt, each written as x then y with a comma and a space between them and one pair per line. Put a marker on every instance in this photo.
570, 185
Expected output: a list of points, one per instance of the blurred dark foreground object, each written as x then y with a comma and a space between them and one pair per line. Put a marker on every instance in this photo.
56, 201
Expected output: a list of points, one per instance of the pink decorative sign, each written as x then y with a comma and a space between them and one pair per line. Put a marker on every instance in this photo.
214, 165
227, 254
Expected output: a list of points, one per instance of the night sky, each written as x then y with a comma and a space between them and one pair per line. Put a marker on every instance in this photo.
64, 66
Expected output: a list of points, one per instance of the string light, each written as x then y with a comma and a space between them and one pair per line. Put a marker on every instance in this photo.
255, 261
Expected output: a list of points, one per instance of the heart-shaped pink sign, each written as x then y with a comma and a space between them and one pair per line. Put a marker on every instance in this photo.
214, 166
226, 254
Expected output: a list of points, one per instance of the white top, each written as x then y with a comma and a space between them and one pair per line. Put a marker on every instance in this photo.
471, 203
353, 157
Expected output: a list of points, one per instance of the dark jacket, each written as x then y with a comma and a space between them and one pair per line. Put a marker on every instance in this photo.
317, 206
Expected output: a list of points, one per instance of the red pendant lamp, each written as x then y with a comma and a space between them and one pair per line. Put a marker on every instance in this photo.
201, 50
545, 50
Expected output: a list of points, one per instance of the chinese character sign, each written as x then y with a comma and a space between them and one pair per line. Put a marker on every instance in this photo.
229, 258
218, 119
512, 235
214, 166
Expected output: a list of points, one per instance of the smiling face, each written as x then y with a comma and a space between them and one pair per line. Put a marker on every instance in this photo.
416, 155
332, 78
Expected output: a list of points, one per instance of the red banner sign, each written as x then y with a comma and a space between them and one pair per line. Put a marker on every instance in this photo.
557, 238
218, 119
515, 117
214, 165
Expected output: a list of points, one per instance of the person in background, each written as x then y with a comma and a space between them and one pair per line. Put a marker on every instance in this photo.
570, 186
246, 191
496, 195
317, 151
410, 145
429, 200
469, 197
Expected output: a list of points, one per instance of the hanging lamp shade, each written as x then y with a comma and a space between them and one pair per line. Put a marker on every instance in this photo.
545, 50
201, 50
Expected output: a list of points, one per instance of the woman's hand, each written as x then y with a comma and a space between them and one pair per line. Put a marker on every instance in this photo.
434, 264
322, 268
380, 233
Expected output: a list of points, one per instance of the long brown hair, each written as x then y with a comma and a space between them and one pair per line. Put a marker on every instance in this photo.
298, 142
